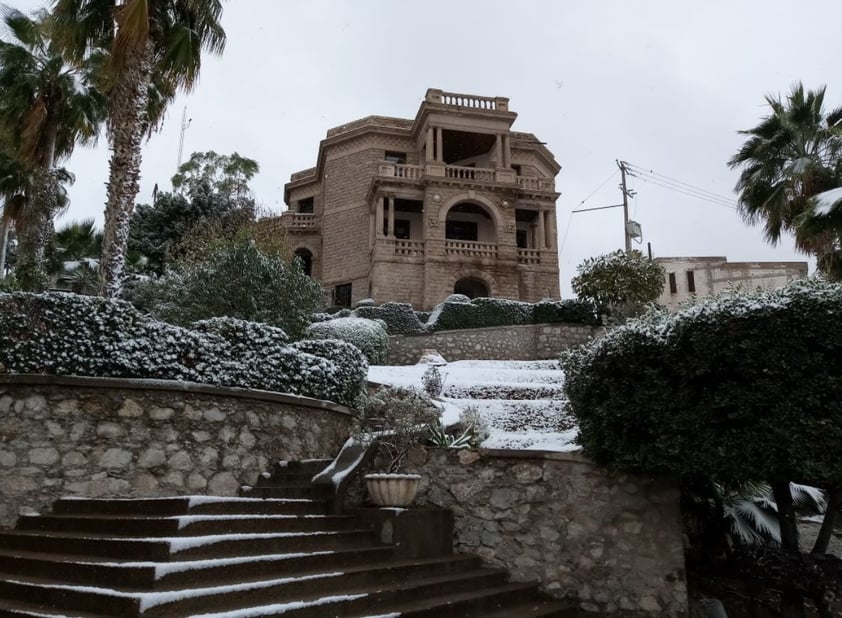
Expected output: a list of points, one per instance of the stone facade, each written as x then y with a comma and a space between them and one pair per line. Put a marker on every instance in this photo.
524, 342
688, 277
612, 542
98, 437
414, 210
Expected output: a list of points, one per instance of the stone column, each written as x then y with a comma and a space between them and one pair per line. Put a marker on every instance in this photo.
391, 233
430, 153
439, 145
542, 232
507, 153
498, 151
552, 241
379, 216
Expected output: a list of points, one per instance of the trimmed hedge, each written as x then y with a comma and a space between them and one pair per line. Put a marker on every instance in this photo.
486, 312
743, 387
368, 335
400, 318
67, 334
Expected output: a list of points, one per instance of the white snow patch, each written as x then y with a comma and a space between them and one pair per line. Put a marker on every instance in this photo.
280, 608
197, 500
186, 520
826, 201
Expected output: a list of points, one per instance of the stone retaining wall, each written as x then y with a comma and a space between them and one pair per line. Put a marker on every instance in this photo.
612, 542
524, 342
98, 437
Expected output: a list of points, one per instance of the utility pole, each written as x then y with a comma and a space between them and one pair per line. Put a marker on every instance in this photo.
622, 166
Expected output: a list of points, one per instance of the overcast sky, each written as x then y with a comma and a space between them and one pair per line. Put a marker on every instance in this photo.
664, 85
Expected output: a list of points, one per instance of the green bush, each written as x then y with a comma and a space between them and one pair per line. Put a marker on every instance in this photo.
400, 318
619, 282
554, 311
368, 335
68, 334
486, 312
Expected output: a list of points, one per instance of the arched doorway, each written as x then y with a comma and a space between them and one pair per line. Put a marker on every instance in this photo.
470, 222
471, 287
306, 258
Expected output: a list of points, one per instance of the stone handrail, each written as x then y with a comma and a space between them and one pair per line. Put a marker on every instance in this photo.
528, 256
298, 220
535, 184
413, 248
473, 101
468, 248
469, 173
401, 170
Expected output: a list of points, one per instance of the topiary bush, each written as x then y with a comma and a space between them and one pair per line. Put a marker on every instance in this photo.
486, 312
568, 310
400, 318
740, 388
368, 335
68, 334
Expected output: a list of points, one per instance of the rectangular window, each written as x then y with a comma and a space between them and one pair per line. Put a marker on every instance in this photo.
691, 281
461, 230
395, 157
521, 238
673, 286
402, 229
342, 295
305, 206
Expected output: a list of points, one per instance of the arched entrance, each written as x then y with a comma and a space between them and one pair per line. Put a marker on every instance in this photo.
467, 221
471, 287
306, 258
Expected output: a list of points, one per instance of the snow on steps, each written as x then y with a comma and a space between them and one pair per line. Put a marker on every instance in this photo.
73, 563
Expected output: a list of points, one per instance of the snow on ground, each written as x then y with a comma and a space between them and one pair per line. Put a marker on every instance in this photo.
521, 401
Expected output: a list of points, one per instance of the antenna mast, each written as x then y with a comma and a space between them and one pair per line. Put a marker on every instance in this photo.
185, 123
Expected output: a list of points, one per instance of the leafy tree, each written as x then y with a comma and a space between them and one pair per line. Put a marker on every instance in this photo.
76, 250
47, 106
155, 50
619, 282
741, 388
789, 158
223, 176
241, 276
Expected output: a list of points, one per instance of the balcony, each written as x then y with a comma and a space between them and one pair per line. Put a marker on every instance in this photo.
299, 222
528, 256
470, 249
415, 174
409, 248
470, 101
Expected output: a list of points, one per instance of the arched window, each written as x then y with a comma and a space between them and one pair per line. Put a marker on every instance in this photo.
469, 222
306, 258
471, 287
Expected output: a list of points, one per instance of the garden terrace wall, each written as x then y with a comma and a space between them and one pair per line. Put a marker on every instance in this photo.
522, 342
613, 542
104, 437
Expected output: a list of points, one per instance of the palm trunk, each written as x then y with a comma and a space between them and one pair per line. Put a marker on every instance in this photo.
792, 603
4, 244
834, 502
35, 229
127, 125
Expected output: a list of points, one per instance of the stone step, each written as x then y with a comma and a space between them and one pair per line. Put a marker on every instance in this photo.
282, 480
60, 596
351, 580
307, 467
509, 415
23, 609
182, 505
276, 492
183, 525
183, 548
500, 390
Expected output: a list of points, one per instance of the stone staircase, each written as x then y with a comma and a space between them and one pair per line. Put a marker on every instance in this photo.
276, 551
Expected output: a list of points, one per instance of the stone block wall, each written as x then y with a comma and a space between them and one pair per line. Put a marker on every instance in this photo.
524, 342
612, 542
97, 437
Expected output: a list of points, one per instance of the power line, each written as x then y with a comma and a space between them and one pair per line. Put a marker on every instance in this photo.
666, 178
604, 182
689, 193
678, 186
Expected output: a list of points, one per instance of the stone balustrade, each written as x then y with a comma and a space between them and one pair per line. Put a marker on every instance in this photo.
298, 221
528, 256
400, 170
410, 248
470, 249
529, 183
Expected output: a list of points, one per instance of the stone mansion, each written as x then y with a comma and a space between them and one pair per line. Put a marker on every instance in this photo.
415, 210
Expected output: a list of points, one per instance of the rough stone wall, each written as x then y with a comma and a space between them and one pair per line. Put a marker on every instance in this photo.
525, 342
611, 542
128, 438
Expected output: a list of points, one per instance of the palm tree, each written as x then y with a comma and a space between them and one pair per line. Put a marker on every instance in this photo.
155, 49
78, 246
792, 155
46, 107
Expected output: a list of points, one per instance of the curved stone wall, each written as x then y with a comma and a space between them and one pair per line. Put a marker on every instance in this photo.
101, 437
610, 541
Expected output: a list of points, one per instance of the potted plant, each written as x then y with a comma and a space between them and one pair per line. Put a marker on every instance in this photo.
397, 420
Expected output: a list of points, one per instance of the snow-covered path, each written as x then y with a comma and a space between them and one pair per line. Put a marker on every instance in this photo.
521, 401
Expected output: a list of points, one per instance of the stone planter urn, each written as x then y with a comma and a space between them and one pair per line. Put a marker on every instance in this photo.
392, 489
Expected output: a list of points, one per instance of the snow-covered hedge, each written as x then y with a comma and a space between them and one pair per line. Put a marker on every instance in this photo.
68, 334
400, 318
485, 312
368, 335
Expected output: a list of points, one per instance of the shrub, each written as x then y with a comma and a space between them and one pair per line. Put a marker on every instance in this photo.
67, 334
398, 418
349, 381
619, 282
368, 335
432, 381
400, 318
234, 278
479, 313
568, 310
742, 388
